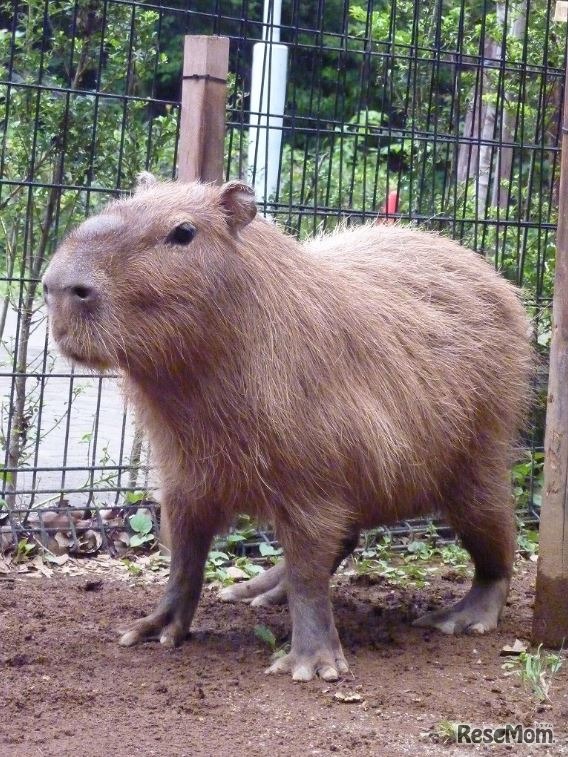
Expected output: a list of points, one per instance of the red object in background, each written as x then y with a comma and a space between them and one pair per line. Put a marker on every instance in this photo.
389, 208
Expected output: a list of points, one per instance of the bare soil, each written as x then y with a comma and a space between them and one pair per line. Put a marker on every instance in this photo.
67, 688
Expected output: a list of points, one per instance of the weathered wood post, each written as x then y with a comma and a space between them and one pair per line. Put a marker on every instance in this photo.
203, 102
202, 126
550, 622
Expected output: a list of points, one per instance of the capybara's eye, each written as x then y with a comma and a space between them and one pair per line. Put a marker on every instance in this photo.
182, 234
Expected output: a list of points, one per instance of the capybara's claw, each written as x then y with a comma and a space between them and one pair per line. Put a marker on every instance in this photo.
156, 626
129, 638
477, 613
304, 668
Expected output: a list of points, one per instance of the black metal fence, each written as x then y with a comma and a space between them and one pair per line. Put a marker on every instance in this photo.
437, 113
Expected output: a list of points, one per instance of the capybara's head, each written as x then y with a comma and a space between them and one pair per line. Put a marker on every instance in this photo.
135, 283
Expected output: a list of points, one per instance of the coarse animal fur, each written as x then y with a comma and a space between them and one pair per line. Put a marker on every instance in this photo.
369, 375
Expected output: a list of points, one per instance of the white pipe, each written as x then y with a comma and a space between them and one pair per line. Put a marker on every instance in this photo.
267, 101
271, 19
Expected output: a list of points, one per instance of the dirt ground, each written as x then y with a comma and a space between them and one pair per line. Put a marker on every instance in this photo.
67, 688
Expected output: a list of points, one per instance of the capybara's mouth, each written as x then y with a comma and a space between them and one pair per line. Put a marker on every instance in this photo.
78, 352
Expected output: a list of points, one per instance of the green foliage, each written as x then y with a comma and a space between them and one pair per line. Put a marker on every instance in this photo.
24, 550
444, 732
134, 498
141, 523
421, 560
131, 567
528, 479
267, 550
527, 541
266, 636
536, 670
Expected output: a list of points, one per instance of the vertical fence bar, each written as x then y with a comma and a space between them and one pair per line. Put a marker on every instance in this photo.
203, 102
550, 622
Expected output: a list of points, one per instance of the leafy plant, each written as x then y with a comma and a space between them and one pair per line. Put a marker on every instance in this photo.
268, 550
536, 670
528, 478
142, 524
444, 732
134, 498
216, 567
527, 541
133, 569
267, 637
24, 550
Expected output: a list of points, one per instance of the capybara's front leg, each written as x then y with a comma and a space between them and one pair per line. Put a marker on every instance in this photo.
316, 649
191, 537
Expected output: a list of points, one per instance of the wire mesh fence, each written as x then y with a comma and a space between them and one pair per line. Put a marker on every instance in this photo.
441, 114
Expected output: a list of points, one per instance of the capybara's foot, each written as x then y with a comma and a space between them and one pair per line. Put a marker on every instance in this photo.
161, 624
268, 588
478, 612
329, 664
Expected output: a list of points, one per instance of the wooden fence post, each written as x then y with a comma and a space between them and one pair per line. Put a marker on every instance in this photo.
201, 144
203, 102
550, 622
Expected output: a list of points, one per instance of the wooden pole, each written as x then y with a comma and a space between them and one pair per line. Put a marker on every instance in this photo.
201, 147
203, 102
550, 622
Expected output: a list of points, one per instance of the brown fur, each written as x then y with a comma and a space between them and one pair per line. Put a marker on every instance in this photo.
370, 375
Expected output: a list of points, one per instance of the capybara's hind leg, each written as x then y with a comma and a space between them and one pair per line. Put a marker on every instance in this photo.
269, 588
486, 525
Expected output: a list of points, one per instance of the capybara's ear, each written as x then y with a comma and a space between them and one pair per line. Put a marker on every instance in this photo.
144, 180
239, 203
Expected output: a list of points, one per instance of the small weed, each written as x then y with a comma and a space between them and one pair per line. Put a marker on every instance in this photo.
248, 566
132, 568
216, 567
133, 498
245, 529
536, 670
527, 541
527, 478
422, 559
24, 551
267, 637
142, 525
455, 556
267, 550
396, 572
444, 732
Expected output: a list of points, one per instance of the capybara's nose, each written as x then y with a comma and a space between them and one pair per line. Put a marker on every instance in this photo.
77, 292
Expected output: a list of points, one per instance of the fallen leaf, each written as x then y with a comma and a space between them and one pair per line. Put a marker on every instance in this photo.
62, 540
38, 563
57, 559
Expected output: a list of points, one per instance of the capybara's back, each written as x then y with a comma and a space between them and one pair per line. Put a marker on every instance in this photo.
431, 369
369, 375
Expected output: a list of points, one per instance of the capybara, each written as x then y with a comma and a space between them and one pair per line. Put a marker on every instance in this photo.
370, 375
